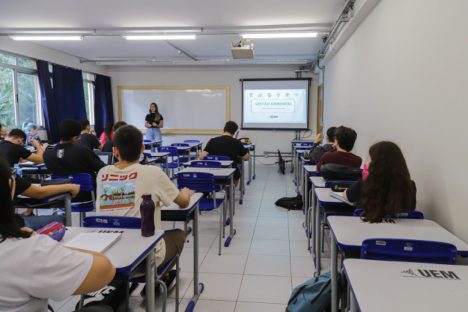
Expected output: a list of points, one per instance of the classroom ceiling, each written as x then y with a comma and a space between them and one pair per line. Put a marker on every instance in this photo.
218, 22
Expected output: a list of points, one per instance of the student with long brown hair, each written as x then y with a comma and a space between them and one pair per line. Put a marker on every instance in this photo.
386, 188
35, 268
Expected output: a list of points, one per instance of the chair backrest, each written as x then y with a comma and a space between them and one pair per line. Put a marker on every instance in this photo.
85, 180
404, 215
192, 141
172, 150
180, 144
217, 157
112, 222
106, 157
197, 181
408, 250
206, 164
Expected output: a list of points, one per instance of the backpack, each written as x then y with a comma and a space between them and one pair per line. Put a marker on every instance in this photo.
334, 172
291, 203
313, 295
112, 295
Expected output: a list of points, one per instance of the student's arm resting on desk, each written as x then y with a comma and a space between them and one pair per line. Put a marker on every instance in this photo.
101, 273
37, 156
40, 192
183, 198
203, 155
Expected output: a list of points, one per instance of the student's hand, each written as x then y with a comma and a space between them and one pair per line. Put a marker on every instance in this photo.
188, 191
35, 144
155, 124
74, 189
92, 132
28, 229
318, 138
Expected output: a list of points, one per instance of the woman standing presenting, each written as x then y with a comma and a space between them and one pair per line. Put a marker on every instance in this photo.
154, 121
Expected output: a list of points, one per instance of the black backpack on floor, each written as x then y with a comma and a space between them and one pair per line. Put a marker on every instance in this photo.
290, 203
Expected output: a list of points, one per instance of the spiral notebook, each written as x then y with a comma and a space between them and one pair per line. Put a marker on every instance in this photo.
94, 241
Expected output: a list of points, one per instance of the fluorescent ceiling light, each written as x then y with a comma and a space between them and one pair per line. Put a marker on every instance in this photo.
161, 37
47, 38
280, 35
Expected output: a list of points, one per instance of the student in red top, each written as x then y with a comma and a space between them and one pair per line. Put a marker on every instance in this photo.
344, 143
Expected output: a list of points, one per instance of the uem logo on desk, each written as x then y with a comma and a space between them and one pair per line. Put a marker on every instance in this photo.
434, 274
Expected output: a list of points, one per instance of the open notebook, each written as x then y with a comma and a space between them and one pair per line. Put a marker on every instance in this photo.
93, 241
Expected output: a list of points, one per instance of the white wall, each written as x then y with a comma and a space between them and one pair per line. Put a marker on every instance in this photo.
266, 140
42, 53
402, 76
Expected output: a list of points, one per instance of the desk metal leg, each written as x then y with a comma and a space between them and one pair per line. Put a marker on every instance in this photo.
253, 163
232, 231
68, 210
242, 184
292, 157
150, 272
250, 170
166, 168
316, 247
334, 275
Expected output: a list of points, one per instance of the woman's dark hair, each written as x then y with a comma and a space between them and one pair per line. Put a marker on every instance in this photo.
156, 106
9, 227
118, 124
388, 189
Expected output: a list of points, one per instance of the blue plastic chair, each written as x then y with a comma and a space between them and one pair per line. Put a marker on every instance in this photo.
135, 223
205, 164
173, 156
86, 182
405, 215
204, 183
184, 156
217, 157
408, 250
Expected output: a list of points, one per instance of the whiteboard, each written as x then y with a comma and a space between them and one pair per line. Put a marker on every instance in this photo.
186, 109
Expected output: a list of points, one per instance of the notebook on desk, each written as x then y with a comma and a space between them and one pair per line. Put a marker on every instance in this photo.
94, 241
340, 197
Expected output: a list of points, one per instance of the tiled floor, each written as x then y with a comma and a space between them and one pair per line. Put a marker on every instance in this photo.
266, 259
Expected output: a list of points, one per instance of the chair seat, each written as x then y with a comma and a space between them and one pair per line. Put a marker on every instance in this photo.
171, 165
206, 204
82, 206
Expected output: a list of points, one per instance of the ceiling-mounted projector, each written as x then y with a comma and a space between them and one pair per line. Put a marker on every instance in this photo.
243, 49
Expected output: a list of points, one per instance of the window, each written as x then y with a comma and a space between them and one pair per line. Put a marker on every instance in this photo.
88, 86
19, 91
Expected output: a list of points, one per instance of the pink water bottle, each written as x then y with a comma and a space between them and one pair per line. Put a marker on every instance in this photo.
147, 208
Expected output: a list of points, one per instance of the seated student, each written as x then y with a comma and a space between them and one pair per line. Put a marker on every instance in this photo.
318, 150
31, 132
344, 143
227, 145
87, 137
69, 158
107, 147
107, 134
35, 268
11, 148
130, 177
386, 188
25, 188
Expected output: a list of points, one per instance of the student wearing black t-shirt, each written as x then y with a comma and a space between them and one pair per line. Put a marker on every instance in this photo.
12, 150
70, 158
386, 188
154, 121
227, 145
87, 137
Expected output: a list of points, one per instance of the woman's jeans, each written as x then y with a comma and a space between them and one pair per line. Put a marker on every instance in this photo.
153, 134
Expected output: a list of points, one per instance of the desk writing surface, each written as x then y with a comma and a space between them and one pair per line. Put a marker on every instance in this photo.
318, 181
310, 168
126, 250
400, 286
324, 196
224, 163
351, 231
217, 172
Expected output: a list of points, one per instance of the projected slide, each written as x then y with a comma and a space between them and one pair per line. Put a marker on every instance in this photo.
275, 104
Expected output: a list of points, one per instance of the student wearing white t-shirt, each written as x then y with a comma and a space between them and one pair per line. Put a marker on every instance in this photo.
34, 268
120, 187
